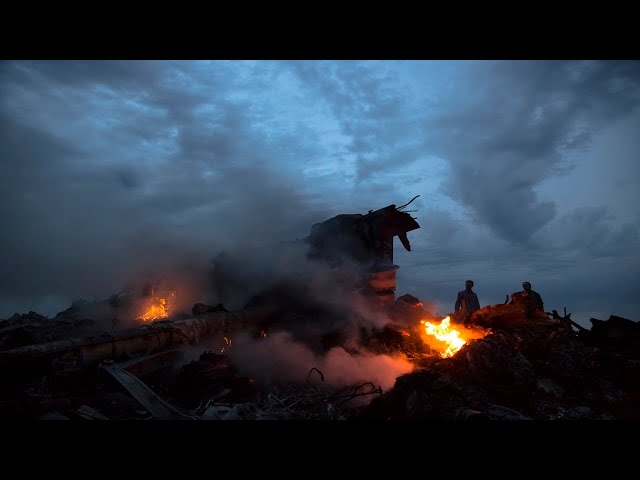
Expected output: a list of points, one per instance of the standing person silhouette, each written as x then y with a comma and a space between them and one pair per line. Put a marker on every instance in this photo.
467, 302
533, 300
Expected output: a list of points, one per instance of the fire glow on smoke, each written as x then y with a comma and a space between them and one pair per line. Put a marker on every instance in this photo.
447, 339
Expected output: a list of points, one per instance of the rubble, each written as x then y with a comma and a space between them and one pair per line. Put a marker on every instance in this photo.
523, 369
88, 413
535, 371
54, 416
617, 333
115, 360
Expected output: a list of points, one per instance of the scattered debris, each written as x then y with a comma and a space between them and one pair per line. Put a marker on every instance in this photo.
533, 371
128, 357
89, 413
523, 368
54, 416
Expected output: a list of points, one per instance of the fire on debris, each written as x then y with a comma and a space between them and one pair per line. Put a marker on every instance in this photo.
448, 339
158, 308
381, 357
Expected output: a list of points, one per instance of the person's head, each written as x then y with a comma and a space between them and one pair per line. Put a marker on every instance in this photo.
468, 284
526, 286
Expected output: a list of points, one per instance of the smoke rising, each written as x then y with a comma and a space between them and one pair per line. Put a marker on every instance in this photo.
86, 219
109, 169
279, 358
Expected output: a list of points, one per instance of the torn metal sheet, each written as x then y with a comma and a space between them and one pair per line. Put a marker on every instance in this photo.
155, 405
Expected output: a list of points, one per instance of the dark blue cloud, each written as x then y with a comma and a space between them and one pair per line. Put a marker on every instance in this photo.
109, 167
508, 125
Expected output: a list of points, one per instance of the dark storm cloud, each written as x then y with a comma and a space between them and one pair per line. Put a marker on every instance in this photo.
110, 168
128, 177
592, 232
513, 127
505, 127
585, 260
371, 110
82, 73
29, 161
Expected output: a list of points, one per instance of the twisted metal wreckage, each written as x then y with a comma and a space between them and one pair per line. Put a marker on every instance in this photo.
542, 366
126, 355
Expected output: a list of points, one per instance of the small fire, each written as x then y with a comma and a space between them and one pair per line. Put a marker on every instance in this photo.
158, 309
450, 340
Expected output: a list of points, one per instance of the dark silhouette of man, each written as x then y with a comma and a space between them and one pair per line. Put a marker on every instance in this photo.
467, 302
531, 300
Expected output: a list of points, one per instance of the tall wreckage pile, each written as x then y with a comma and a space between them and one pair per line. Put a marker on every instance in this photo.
147, 362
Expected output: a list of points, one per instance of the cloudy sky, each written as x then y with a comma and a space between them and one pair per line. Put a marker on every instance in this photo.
526, 170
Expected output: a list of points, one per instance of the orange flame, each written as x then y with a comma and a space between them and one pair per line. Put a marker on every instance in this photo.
449, 339
158, 309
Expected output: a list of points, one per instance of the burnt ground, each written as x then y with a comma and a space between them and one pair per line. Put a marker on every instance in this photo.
530, 369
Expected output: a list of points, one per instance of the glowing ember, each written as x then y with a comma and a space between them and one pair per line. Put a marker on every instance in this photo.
446, 334
227, 341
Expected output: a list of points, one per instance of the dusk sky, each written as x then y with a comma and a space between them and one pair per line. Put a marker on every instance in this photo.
526, 170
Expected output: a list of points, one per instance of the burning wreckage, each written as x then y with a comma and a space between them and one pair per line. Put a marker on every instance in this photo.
504, 362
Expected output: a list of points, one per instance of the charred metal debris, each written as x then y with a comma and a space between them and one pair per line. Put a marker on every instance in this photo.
522, 367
